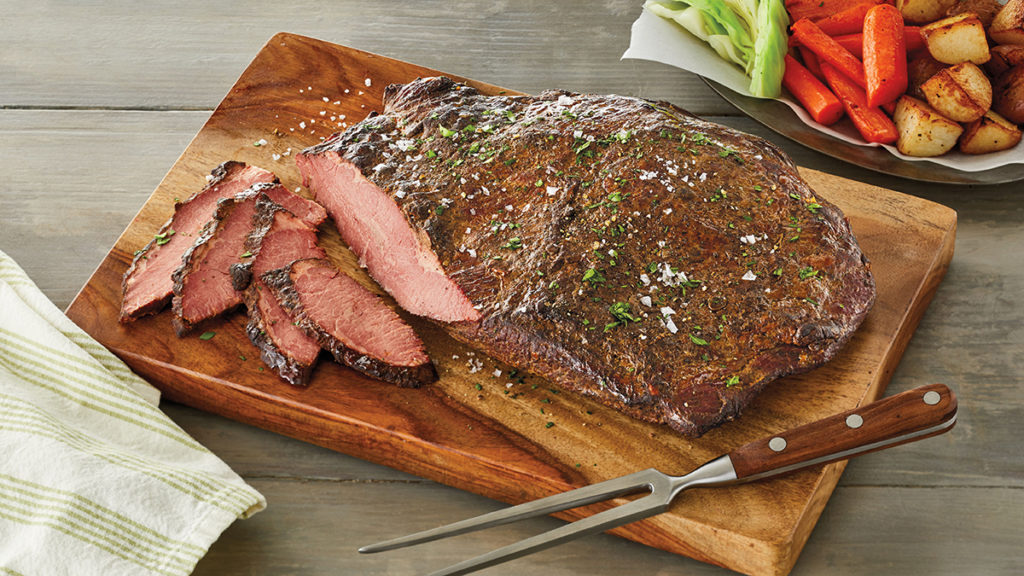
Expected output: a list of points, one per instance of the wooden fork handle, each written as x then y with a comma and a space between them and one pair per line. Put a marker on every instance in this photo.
905, 417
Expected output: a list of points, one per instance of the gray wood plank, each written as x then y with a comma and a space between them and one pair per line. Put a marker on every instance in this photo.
315, 527
72, 182
186, 55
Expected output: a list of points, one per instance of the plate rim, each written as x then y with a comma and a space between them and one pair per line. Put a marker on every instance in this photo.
779, 118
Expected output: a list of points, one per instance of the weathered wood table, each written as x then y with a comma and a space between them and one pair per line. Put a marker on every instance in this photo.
97, 102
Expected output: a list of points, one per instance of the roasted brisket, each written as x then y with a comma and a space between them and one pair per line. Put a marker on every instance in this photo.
625, 249
350, 322
278, 239
147, 285
204, 286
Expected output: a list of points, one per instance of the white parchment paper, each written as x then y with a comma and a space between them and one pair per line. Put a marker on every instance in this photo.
654, 38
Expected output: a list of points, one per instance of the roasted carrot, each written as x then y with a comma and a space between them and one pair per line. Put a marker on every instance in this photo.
855, 42
885, 54
810, 61
828, 50
914, 39
815, 97
848, 21
871, 122
818, 9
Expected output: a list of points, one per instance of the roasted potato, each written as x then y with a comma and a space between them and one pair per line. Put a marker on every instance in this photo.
923, 131
919, 70
985, 9
1008, 25
990, 133
1008, 94
923, 11
957, 39
962, 92
1003, 58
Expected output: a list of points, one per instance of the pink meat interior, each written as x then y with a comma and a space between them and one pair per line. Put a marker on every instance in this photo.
308, 211
355, 316
375, 229
282, 331
208, 290
289, 239
151, 280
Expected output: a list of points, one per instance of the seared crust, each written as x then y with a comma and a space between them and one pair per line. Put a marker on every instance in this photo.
225, 171
280, 283
283, 364
195, 254
262, 220
667, 266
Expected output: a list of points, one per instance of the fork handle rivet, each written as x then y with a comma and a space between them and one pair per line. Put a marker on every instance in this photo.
777, 444
854, 421
932, 397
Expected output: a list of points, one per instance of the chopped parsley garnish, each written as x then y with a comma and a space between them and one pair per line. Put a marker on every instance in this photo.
698, 340
164, 238
700, 138
593, 276
808, 272
446, 133
732, 381
620, 311
207, 335
513, 243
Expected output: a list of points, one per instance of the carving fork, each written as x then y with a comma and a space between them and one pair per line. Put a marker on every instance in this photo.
906, 417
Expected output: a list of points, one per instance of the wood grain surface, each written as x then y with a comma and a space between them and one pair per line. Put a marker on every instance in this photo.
477, 431
99, 99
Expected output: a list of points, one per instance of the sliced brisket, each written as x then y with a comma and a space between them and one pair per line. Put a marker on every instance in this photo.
202, 283
351, 322
625, 249
278, 239
147, 285
204, 286
305, 209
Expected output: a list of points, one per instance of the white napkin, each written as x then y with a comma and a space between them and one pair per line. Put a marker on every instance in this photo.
94, 478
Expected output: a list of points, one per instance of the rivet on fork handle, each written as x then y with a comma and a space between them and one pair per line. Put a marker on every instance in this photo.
905, 417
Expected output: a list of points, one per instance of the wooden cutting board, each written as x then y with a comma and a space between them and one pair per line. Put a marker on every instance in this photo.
484, 427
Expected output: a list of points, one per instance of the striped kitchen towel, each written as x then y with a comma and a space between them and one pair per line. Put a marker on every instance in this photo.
94, 478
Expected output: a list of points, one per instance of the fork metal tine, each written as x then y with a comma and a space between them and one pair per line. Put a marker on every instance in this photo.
650, 505
620, 486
